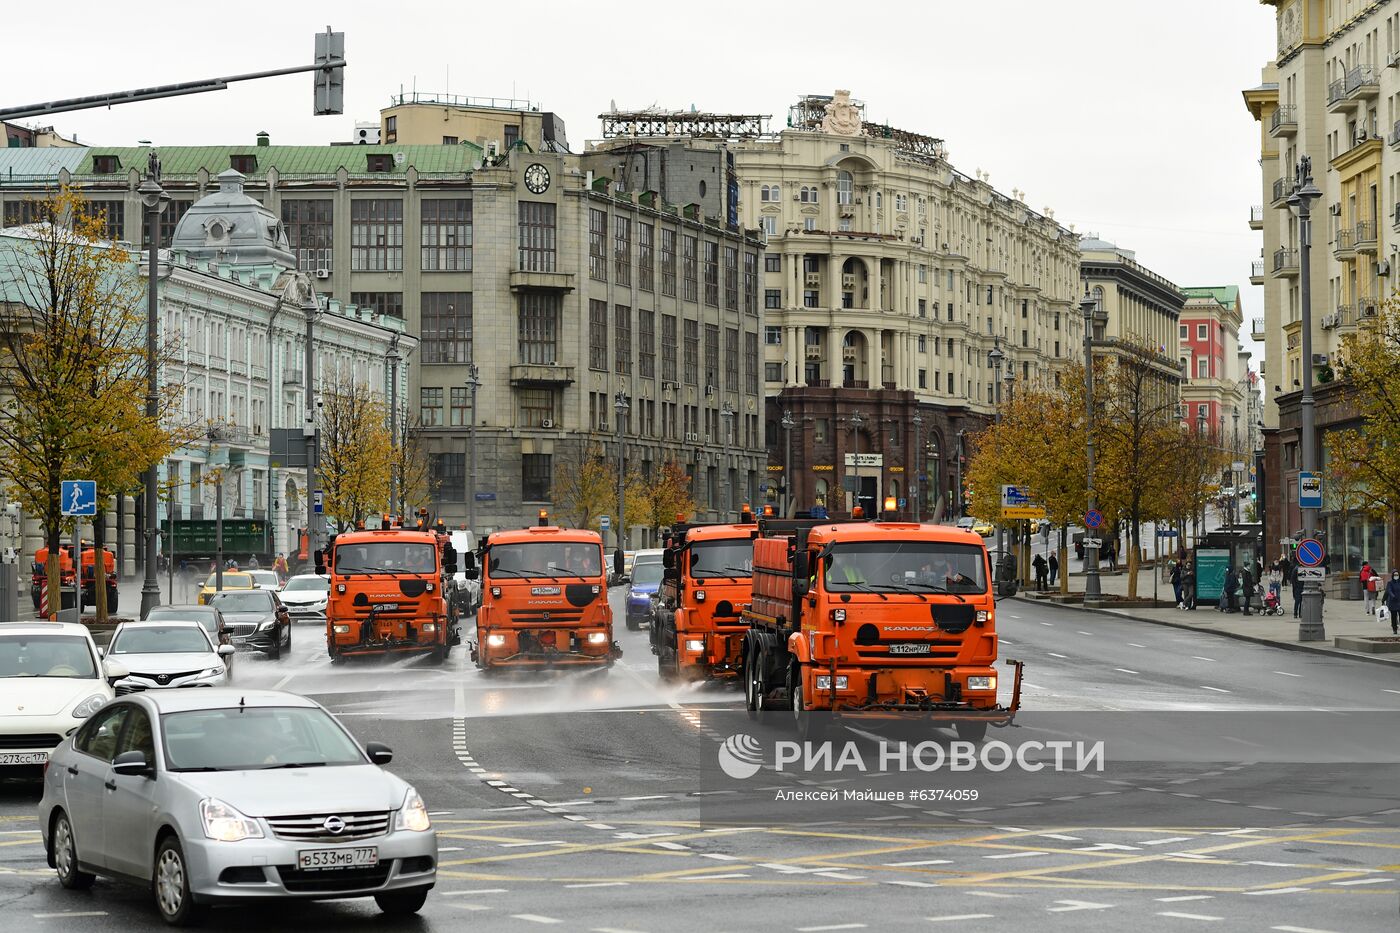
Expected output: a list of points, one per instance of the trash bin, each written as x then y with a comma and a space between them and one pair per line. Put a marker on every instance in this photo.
1353, 587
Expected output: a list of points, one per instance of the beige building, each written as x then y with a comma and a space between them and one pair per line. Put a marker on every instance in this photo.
495, 124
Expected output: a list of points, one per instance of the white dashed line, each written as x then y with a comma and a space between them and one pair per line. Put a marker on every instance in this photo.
1216, 689
989, 894
1132, 644
599, 884
1061, 656
837, 926
524, 845
1299, 930
1390, 691
1017, 855
956, 917
1090, 634
75, 913
912, 884
1124, 670
1068, 906
1363, 881
1286, 674
1052, 625
1162, 842
1277, 891
1186, 897
932, 861
1179, 916
536, 918
1199, 658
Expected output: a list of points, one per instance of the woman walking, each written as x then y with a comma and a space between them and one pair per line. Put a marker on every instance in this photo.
1392, 601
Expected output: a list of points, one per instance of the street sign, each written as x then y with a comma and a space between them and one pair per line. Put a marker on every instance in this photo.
1022, 511
903, 503
1167, 532
1093, 518
1287, 542
605, 522
1093, 542
1311, 574
1238, 466
1012, 496
1309, 491
485, 497
318, 502
1311, 552
79, 497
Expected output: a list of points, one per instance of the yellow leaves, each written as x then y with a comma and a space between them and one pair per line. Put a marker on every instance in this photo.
1369, 460
357, 452
585, 488
656, 502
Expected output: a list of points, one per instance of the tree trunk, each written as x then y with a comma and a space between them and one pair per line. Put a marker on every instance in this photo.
99, 564
1064, 560
54, 541
1133, 549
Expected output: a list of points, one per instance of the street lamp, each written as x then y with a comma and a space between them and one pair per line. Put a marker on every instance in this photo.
1092, 315
788, 424
853, 424
931, 467
473, 383
620, 406
995, 357
1311, 627
394, 358
916, 491
727, 413
153, 200
311, 306
957, 477
1010, 380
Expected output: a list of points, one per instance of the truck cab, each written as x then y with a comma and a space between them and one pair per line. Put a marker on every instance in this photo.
697, 629
39, 575
874, 618
544, 600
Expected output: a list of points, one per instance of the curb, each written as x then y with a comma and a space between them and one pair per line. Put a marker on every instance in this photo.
1238, 636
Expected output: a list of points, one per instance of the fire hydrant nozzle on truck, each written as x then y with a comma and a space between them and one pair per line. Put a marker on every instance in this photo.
874, 618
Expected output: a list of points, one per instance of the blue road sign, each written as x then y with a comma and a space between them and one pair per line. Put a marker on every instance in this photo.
79, 497
1309, 491
485, 497
1311, 552
903, 503
318, 502
1093, 518
1167, 532
605, 522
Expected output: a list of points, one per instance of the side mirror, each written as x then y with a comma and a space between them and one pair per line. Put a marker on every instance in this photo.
319, 558
102, 652
449, 560
470, 570
132, 764
114, 671
379, 753
668, 559
226, 650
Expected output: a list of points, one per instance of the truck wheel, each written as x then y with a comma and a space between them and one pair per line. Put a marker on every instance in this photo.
336, 656
971, 730
437, 655
810, 725
753, 685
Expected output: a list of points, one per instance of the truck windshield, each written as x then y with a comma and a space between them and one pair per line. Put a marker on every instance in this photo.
546, 559
385, 557
733, 558
905, 566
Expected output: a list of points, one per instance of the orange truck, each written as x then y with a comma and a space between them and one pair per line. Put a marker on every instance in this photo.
544, 600
870, 618
39, 574
697, 630
387, 593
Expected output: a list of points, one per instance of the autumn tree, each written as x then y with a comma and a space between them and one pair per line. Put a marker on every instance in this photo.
356, 452
656, 502
1348, 485
411, 461
73, 366
1191, 468
585, 487
1371, 362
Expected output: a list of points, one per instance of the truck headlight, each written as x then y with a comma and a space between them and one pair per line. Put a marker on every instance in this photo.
413, 815
495, 641
694, 644
430, 587
597, 638
429, 626
982, 683
89, 706
341, 629
496, 592
824, 681
838, 615
983, 615
699, 596
225, 824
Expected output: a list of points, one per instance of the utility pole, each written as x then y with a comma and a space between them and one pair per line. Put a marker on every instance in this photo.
153, 199
996, 357
727, 413
473, 383
788, 424
620, 407
1090, 307
313, 448
394, 424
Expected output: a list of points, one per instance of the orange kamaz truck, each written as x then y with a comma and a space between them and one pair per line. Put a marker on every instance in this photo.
544, 600
39, 575
387, 593
697, 630
857, 617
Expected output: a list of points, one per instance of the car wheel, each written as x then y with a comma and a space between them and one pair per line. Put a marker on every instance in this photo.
971, 730
402, 903
65, 856
275, 652
171, 885
288, 645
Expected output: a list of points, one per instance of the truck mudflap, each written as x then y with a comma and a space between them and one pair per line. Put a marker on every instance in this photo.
940, 708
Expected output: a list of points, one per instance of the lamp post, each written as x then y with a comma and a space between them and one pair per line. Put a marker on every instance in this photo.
1311, 628
788, 424
853, 425
313, 447
957, 477
996, 357
153, 200
620, 406
473, 383
931, 467
727, 413
1090, 307
916, 491
393, 358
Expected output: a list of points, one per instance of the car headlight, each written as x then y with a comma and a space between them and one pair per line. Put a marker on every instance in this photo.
89, 706
982, 683
320, 604
694, 644
824, 682
225, 824
268, 625
597, 638
212, 672
495, 641
340, 629
413, 815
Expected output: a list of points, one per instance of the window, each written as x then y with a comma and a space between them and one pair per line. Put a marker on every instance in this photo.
511, 135
731, 359
110, 214
379, 162
923, 307
1185, 331
751, 362
622, 341
390, 303
597, 244
1200, 332
772, 262
535, 471
773, 372
459, 414
622, 250
808, 195
844, 187
539, 328
819, 430
810, 298
598, 335
105, 165
391, 129
668, 347
923, 379
773, 336
447, 235
711, 354
923, 274
751, 283
712, 274
809, 224
450, 473
430, 406
646, 257
923, 344
690, 268
731, 278
1202, 367
770, 224
446, 327
99, 735
536, 407
646, 344
376, 235
310, 231
879, 200
536, 232
668, 262
247, 164
449, 140
692, 352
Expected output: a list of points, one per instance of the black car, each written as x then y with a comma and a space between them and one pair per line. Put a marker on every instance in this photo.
213, 621
259, 620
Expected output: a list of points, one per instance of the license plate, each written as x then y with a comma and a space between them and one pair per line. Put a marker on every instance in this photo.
909, 647
544, 591
23, 758
385, 607
313, 859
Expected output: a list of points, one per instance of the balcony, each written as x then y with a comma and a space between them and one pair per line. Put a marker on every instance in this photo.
292, 377
553, 281
1364, 236
1284, 122
1282, 189
1345, 247
1397, 216
1394, 137
1257, 329
813, 352
539, 374
1256, 217
1256, 272
1285, 263
1347, 93
1337, 96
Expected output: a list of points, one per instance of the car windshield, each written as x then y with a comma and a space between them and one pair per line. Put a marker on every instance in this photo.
231, 581
307, 584
256, 738
647, 573
205, 617
46, 656
385, 557
732, 558
255, 601
264, 577
160, 639
905, 566
546, 559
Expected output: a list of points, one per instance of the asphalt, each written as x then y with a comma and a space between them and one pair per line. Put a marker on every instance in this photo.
590, 802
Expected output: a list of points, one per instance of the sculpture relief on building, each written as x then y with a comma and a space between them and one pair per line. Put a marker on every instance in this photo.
1290, 28
842, 116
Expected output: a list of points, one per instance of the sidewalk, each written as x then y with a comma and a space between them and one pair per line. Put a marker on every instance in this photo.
1341, 618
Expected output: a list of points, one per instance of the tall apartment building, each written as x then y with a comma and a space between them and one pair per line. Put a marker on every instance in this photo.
1332, 94
888, 277
1214, 367
494, 124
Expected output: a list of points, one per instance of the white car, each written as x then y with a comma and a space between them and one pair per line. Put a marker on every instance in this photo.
51, 680
265, 579
157, 655
305, 596
467, 593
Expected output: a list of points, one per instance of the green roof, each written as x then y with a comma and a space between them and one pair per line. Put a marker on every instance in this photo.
292, 160
1227, 295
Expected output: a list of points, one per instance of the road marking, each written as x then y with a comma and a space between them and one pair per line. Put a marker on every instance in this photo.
75, 913
721, 858
1016, 855
1087, 633
956, 917
1124, 670
277, 686
1286, 674
912, 884
1274, 864
1391, 691
477, 891
715, 877
1199, 658
599, 884
1299, 930
647, 797
1060, 836
1187, 897
674, 846
1277, 891
1068, 906
932, 861
1162, 842
523, 845
611, 930
1132, 644
837, 926
1179, 916
988, 894
1048, 624
1364, 881
535, 918
1216, 689
1054, 655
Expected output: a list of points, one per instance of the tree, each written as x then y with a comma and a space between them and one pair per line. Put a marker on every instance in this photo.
411, 460
656, 502
356, 453
1348, 485
73, 366
585, 487
1191, 468
1371, 362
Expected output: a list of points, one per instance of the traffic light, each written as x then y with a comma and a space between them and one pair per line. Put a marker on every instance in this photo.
330, 82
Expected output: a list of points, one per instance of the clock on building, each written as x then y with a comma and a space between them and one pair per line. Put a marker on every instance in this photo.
536, 178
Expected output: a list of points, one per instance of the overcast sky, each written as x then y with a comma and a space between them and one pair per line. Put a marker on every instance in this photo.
1123, 116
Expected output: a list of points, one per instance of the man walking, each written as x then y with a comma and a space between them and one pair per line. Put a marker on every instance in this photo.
1392, 601
1297, 597
1188, 585
1054, 566
1246, 587
1176, 583
1228, 600
1041, 571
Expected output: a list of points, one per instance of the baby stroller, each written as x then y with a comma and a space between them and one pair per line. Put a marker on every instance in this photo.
1272, 605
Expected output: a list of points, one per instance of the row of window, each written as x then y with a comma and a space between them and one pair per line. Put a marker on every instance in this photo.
620, 259
621, 343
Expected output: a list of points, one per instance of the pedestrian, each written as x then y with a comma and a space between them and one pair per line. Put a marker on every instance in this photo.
280, 566
1246, 587
253, 563
1228, 597
1370, 582
1392, 601
1285, 567
1113, 554
1297, 597
1188, 585
1054, 568
1176, 584
1042, 571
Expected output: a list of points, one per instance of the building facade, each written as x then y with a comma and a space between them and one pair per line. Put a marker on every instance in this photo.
495, 125
1215, 368
1331, 95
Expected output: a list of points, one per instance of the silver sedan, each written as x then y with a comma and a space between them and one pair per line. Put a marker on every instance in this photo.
219, 796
